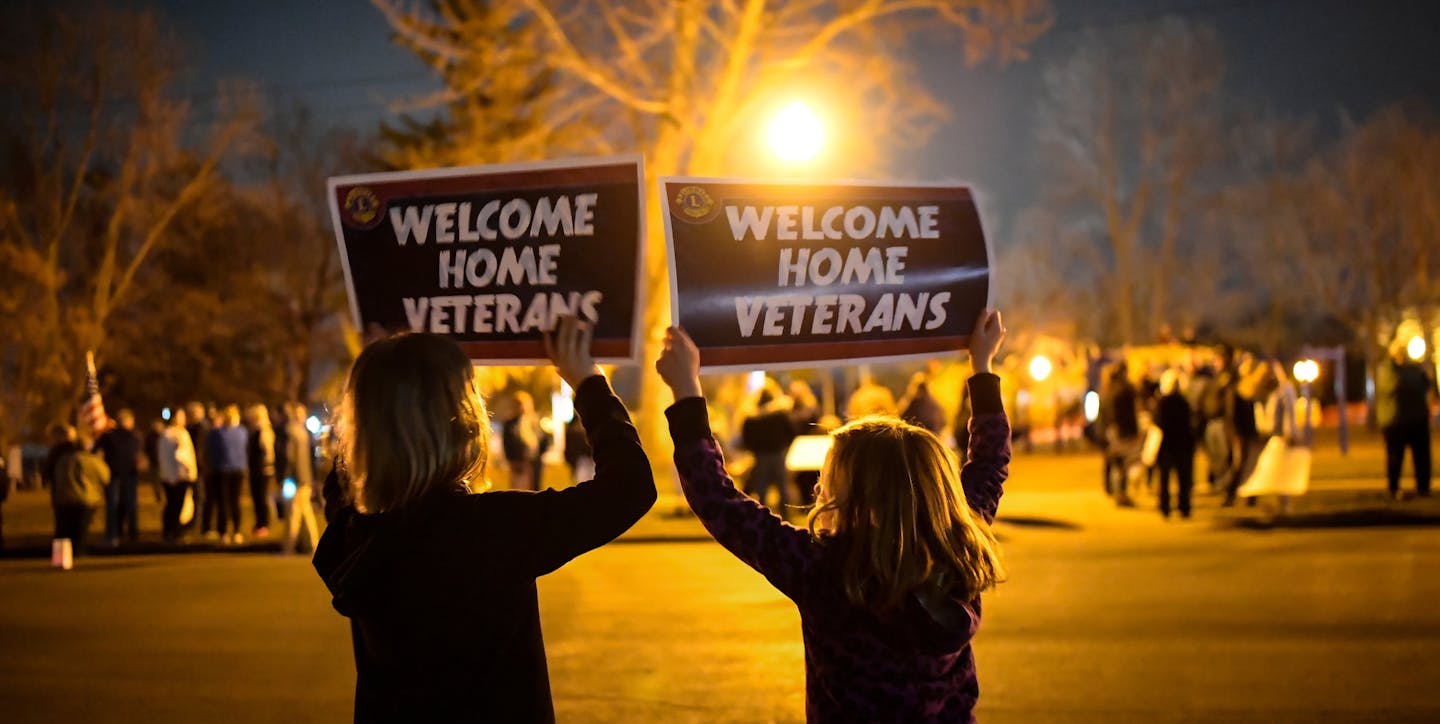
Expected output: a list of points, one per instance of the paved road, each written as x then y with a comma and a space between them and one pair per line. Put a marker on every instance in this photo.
1112, 616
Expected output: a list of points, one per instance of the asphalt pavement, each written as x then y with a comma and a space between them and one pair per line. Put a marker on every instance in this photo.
1326, 613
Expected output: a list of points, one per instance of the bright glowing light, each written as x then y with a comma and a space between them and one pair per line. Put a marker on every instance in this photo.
796, 133
1307, 370
165, 413
755, 380
562, 403
1040, 367
1092, 406
312, 423
1416, 348
288, 489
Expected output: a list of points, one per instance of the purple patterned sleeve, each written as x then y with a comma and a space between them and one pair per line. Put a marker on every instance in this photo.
781, 552
988, 463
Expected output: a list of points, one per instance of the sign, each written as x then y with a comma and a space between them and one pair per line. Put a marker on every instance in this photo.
492, 255
798, 274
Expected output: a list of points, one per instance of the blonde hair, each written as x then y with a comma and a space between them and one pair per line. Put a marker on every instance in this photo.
890, 498
411, 420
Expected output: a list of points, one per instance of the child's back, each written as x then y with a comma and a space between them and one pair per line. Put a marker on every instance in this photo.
886, 642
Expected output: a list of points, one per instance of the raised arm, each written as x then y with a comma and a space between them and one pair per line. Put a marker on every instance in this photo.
569, 522
988, 462
781, 552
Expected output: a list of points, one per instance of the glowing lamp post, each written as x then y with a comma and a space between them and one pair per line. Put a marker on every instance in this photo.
1416, 348
1040, 368
796, 133
1307, 371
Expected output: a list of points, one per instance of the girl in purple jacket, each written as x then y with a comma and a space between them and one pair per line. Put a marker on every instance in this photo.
888, 575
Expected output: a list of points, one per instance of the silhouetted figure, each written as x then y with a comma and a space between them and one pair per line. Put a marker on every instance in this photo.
1403, 391
122, 450
1177, 444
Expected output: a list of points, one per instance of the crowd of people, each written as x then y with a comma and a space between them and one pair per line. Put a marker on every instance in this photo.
201, 461
769, 419
1153, 425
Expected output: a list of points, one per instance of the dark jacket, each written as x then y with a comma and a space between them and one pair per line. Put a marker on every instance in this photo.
1177, 425
925, 411
767, 432
441, 595
121, 449
226, 449
1121, 408
78, 477
1402, 394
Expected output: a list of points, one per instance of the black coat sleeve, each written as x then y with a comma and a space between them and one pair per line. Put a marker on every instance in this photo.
558, 525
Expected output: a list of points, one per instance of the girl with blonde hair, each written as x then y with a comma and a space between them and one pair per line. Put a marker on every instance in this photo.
436, 576
888, 575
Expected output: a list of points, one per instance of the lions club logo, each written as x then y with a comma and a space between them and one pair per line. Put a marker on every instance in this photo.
694, 203
362, 207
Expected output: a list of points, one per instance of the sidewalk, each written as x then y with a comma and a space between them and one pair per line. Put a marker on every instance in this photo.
1045, 491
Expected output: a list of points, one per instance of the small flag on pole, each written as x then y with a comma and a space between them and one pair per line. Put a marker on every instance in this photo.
92, 408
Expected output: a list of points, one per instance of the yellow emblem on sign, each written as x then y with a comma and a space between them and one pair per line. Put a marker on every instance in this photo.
362, 205
694, 202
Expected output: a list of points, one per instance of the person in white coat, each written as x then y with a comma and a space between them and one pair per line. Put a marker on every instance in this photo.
175, 457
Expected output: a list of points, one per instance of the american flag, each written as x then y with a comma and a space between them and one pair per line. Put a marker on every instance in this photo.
92, 408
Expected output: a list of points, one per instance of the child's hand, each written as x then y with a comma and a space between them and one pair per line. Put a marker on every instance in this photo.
985, 339
569, 349
679, 364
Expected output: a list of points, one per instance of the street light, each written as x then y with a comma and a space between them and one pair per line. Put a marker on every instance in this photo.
796, 133
1307, 371
1416, 348
1040, 367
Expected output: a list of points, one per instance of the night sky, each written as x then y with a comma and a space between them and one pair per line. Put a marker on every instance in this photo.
1315, 58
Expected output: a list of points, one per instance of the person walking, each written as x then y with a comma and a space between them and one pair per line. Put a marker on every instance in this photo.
300, 469
260, 465
122, 451
436, 576
1403, 395
899, 547
77, 480
1176, 420
176, 466
226, 452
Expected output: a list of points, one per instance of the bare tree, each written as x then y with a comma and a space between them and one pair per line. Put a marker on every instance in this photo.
1131, 123
97, 170
687, 83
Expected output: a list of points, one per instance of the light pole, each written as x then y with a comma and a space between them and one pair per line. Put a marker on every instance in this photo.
1307, 371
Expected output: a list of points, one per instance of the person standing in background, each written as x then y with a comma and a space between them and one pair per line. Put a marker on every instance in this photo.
260, 462
1403, 394
300, 469
77, 480
177, 469
767, 433
122, 451
520, 435
1176, 420
199, 429
226, 454
1244, 431
919, 407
